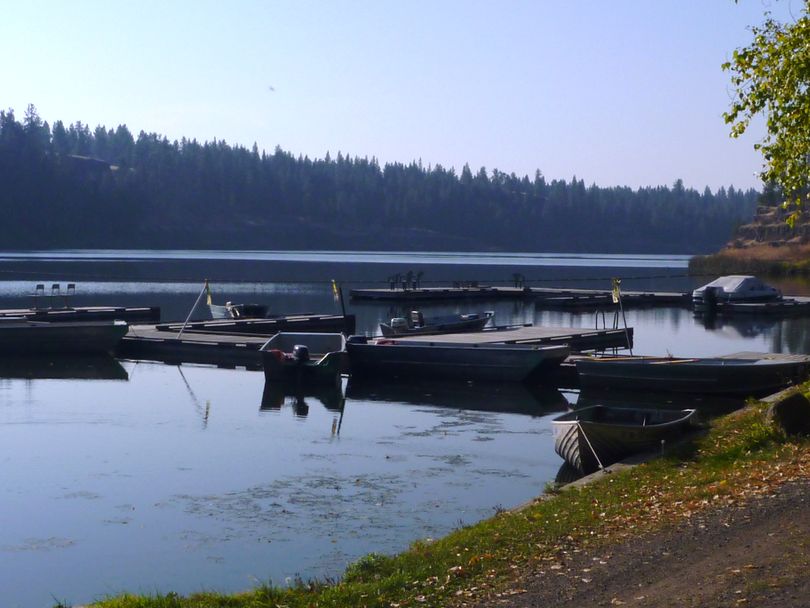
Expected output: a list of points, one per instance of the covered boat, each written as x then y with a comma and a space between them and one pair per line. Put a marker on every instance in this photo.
418, 324
19, 336
734, 288
304, 358
387, 358
745, 374
594, 437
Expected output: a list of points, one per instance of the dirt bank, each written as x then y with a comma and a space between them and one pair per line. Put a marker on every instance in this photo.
754, 554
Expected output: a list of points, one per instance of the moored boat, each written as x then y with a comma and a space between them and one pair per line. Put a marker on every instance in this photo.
418, 324
19, 336
734, 289
746, 374
387, 358
594, 437
304, 358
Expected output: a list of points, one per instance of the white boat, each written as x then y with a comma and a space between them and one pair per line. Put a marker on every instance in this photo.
734, 288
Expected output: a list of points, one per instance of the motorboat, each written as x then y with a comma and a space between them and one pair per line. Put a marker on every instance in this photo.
304, 358
418, 324
734, 288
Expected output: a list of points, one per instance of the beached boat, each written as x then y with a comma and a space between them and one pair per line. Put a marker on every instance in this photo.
304, 358
746, 374
19, 336
399, 358
734, 289
594, 437
445, 324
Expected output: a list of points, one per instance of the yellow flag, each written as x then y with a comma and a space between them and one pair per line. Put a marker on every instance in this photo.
208, 299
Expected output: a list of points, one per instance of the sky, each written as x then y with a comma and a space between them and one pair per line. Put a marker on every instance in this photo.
617, 93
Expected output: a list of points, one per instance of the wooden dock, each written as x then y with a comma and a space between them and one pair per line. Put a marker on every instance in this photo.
544, 297
438, 294
150, 314
146, 342
153, 343
268, 327
577, 338
790, 306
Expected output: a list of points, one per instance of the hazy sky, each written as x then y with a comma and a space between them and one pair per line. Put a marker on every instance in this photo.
619, 92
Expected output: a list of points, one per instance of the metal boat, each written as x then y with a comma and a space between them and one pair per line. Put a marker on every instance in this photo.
594, 437
418, 324
391, 358
304, 358
746, 374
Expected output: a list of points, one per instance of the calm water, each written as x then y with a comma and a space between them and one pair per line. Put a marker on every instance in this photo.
143, 476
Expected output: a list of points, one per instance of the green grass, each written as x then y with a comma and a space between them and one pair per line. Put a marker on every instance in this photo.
741, 456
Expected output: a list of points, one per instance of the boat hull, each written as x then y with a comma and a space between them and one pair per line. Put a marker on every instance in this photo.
36, 338
281, 365
500, 363
715, 376
585, 442
434, 328
322, 372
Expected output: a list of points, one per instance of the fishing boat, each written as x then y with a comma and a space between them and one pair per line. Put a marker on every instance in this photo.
594, 437
20, 336
304, 358
746, 374
400, 358
418, 324
239, 311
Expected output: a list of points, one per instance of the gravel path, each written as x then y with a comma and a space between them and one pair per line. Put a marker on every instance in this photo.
755, 554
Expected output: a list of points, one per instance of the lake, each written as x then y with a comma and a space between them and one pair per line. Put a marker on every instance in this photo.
144, 477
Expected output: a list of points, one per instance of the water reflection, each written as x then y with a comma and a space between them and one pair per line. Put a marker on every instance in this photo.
98, 367
511, 398
278, 394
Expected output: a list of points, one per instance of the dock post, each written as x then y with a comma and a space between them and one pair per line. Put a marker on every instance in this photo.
190, 312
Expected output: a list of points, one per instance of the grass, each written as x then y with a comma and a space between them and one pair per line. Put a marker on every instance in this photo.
742, 456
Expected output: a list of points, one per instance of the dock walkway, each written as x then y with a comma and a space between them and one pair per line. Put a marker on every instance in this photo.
545, 297
577, 338
146, 342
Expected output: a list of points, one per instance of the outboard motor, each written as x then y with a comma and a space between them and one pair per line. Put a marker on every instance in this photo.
399, 324
417, 318
300, 353
711, 295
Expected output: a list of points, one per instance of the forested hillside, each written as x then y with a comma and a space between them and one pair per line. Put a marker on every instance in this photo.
68, 186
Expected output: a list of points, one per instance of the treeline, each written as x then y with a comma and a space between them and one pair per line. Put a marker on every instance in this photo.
69, 186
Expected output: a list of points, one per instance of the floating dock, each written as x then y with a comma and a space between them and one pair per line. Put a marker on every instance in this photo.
790, 306
146, 342
577, 339
150, 314
438, 294
268, 327
151, 343
545, 297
